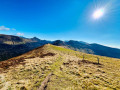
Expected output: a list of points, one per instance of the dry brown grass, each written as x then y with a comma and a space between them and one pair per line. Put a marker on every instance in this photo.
70, 72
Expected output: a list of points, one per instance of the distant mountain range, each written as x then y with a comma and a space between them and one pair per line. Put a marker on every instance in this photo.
12, 46
96, 49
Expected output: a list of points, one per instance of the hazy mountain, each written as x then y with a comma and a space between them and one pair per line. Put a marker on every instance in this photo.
96, 49
51, 67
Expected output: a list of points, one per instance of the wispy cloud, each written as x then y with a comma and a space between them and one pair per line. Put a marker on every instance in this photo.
20, 34
4, 28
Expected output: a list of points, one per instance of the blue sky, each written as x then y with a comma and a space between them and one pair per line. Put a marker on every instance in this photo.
62, 19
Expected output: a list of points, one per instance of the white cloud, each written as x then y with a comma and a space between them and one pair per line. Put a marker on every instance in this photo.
20, 34
4, 28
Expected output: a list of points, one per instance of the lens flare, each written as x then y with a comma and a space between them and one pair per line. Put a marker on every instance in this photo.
98, 13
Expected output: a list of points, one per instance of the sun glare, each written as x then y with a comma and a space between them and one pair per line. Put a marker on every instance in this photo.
98, 13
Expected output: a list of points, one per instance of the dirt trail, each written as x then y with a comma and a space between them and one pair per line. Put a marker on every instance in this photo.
46, 80
44, 83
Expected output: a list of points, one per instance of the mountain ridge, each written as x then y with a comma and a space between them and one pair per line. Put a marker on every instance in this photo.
53, 67
94, 48
12, 46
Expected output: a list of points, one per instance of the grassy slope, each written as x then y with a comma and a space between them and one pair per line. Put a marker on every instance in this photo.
69, 72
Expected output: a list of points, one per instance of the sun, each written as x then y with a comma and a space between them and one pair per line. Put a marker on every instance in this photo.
98, 13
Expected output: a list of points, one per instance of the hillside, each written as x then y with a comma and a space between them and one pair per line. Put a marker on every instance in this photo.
52, 67
84, 47
13, 40
12, 46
